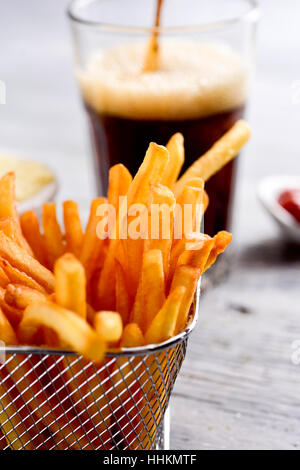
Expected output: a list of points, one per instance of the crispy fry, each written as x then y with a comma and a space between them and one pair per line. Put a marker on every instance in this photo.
20, 259
70, 284
184, 244
163, 325
73, 228
161, 209
11, 228
13, 314
119, 182
31, 230
8, 205
185, 276
53, 238
71, 329
7, 334
132, 336
218, 156
4, 279
109, 326
122, 297
92, 244
221, 241
189, 209
19, 277
152, 280
175, 147
196, 256
20, 296
151, 171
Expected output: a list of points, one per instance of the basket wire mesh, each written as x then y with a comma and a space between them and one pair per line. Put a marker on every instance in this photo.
58, 400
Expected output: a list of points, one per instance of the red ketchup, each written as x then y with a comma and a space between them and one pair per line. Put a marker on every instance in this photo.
290, 201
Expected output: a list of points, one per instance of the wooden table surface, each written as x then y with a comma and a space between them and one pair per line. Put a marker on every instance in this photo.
239, 388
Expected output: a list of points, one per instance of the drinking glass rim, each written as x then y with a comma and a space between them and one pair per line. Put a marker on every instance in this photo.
250, 15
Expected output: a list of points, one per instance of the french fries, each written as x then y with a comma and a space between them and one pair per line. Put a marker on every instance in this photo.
92, 245
73, 228
175, 146
53, 237
109, 325
21, 260
161, 210
163, 325
20, 296
152, 279
73, 289
7, 333
31, 230
76, 288
70, 284
70, 328
218, 156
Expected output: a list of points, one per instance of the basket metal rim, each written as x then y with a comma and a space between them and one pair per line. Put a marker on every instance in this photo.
138, 351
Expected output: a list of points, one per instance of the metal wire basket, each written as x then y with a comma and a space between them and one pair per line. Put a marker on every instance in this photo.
57, 400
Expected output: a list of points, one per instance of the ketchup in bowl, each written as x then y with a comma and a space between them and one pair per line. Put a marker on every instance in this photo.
290, 201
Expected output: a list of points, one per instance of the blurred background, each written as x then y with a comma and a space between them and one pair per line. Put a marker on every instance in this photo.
245, 384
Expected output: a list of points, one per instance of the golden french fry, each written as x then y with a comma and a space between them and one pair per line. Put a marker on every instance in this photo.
20, 296
152, 280
18, 277
122, 297
73, 228
196, 239
132, 336
221, 241
7, 333
71, 329
109, 326
21, 260
197, 256
151, 171
53, 237
119, 181
189, 209
90, 314
11, 228
8, 205
70, 284
92, 244
185, 276
31, 230
13, 314
106, 288
175, 146
4, 279
163, 325
224, 150
161, 209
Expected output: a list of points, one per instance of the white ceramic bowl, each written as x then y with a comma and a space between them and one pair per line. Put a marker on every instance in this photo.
269, 191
